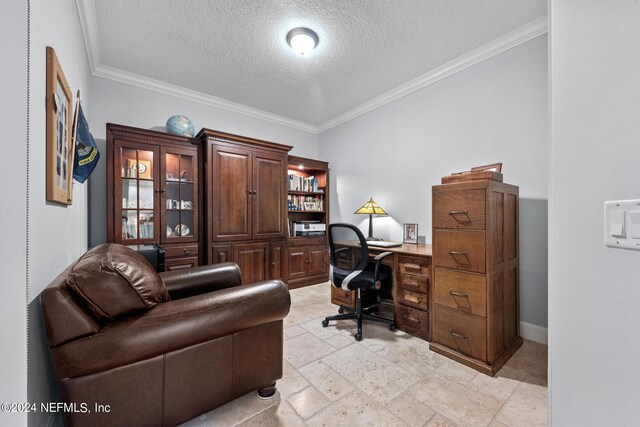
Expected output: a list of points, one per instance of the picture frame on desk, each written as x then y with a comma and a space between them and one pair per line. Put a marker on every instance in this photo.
410, 233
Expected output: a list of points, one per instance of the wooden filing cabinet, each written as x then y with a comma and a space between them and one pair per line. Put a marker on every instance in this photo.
475, 277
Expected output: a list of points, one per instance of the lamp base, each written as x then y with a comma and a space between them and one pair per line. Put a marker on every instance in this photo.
373, 239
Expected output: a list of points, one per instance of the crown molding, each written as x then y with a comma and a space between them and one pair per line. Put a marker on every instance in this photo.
89, 25
514, 38
199, 97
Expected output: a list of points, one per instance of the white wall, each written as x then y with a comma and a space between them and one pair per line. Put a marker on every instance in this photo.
58, 234
494, 111
13, 163
595, 156
134, 106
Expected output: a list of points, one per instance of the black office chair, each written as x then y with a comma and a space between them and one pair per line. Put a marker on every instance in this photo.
351, 270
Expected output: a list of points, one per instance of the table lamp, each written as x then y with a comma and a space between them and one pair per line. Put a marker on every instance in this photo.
371, 208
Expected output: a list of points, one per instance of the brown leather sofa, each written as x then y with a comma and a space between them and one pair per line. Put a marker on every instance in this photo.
134, 347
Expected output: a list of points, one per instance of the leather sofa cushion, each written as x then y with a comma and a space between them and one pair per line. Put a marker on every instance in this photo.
114, 281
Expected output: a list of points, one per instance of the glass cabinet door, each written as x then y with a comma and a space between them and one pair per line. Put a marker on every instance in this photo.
137, 195
180, 221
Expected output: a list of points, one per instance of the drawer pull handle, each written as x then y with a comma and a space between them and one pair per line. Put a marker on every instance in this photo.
453, 253
412, 267
457, 335
187, 251
412, 298
459, 213
459, 294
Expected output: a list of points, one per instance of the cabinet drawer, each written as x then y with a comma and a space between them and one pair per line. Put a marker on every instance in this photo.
460, 331
342, 297
413, 265
412, 321
461, 291
413, 282
180, 251
459, 209
306, 241
464, 250
180, 263
414, 299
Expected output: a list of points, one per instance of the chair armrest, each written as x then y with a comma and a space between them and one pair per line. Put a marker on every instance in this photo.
199, 280
172, 326
378, 259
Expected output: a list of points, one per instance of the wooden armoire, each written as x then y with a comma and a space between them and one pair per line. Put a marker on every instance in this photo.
245, 198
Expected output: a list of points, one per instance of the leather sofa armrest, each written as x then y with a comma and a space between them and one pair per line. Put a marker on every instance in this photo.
199, 280
172, 326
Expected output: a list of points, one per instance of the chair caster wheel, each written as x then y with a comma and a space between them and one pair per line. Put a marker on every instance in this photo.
358, 337
325, 323
392, 327
340, 310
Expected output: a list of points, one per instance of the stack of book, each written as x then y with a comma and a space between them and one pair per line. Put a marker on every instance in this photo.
305, 203
300, 183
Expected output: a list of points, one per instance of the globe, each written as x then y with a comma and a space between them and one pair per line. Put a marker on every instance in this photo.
180, 125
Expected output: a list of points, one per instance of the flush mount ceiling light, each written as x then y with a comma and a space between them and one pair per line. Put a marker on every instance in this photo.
302, 40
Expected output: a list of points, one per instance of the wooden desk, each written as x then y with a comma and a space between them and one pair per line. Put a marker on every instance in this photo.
411, 267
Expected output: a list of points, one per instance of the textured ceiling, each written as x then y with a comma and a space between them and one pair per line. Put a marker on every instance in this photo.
236, 49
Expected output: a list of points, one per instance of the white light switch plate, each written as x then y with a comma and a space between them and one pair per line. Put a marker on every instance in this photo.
622, 224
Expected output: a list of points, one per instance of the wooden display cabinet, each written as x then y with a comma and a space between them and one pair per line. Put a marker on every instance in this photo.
153, 192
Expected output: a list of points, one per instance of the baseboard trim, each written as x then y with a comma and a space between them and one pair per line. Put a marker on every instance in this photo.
535, 333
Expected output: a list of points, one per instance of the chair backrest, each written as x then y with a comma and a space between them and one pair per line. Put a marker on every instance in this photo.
348, 247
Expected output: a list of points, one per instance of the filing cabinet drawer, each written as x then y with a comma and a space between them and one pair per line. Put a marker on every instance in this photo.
414, 299
412, 321
464, 250
342, 297
461, 291
180, 263
413, 265
180, 251
460, 331
413, 282
459, 209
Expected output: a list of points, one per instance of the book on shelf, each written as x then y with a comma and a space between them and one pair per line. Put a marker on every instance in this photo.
305, 203
300, 183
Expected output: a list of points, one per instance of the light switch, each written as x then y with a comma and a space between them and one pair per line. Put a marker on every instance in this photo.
622, 224
634, 219
616, 229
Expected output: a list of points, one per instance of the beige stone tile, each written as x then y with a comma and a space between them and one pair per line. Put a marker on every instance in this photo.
456, 371
320, 310
379, 378
315, 327
413, 354
440, 421
291, 382
527, 406
458, 401
376, 336
333, 385
280, 415
340, 340
530, 359
495, 423
410, 410
354, 410
308, 402
235, 411
501, 385
295, 317
294, 331
304, 349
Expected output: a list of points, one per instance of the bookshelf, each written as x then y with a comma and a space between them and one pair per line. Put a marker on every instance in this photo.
308, 204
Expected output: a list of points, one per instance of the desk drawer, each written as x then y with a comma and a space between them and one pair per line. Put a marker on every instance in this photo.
181, 251
342, 297
464, 250
413, 282
460, 331
412, 321
414, 299
459, 209
413, 265
461, 291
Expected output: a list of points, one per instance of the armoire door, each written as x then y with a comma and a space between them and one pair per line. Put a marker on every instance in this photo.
316, 264
231, 193
253, 260
269, 195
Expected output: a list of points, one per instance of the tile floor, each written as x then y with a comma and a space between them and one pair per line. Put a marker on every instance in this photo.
387, 379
